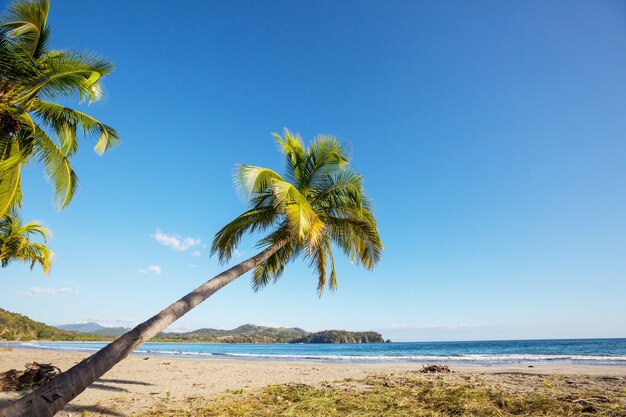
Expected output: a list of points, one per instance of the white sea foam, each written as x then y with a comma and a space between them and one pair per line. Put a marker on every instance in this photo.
435, 358
467, 358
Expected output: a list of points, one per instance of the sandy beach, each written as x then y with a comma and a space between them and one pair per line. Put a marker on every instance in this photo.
141, 382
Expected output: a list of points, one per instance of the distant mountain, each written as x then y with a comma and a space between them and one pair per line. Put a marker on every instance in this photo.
248, 333
94, 328
15, 326
90, 327
18, 327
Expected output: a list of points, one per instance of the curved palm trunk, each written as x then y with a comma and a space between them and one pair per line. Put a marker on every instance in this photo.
46, 401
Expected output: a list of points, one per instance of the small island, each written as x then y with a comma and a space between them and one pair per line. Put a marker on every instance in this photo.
340, 336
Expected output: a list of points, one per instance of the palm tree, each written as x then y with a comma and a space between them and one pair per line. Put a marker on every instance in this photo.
16, 243
318, 203
32, 125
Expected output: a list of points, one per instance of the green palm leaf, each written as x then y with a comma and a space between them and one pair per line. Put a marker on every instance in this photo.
58, 168
26, 22
16, 243
32, 125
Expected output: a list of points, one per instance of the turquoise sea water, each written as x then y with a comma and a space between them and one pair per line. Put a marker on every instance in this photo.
583, 351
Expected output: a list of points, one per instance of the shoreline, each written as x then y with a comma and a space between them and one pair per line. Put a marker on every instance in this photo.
462, 360
141, 382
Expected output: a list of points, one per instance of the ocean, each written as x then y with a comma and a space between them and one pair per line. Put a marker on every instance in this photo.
485, 353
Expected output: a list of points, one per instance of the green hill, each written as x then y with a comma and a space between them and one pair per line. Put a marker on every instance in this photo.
248, 333
15, 326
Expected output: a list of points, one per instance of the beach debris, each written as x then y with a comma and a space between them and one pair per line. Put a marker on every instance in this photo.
435, 369
36, 374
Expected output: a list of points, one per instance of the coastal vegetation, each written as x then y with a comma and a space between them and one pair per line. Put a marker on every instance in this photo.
340, 336
413, 395
34, 126
17, 327
319, 202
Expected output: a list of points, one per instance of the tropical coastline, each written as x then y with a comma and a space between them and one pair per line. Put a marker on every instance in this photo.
444, 226
593, 352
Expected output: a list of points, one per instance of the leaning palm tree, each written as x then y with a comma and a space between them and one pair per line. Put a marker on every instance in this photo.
32, 125
317, 204
16, 243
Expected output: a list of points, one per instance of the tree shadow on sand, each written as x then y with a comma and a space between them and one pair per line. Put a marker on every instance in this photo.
124, 381
96, 409
107, 387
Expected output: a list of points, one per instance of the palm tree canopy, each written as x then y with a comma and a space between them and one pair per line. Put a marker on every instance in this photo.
32, 125
16, 243
317, 204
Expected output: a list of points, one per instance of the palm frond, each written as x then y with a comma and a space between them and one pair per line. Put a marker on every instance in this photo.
26, 22
57, 167
16, 243
10, 175
302, 218
66, 73
317, 260
273, 267
227, 239
251, 180
66, 121
292, 148
343, 188
357, 237
324, 156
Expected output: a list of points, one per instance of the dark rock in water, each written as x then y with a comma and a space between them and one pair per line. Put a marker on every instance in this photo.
388, 341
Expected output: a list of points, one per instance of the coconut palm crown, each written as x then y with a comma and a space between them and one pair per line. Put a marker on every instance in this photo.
16, 243
32, 125
319, 202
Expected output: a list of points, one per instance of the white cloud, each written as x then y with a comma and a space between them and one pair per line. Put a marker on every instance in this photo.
237, 253
175, 242
196, 253
151, 269
43, 291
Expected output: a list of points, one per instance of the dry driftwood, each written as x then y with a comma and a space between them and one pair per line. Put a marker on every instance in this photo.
434, 369
36, 374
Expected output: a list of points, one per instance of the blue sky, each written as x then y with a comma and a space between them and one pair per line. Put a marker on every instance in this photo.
491, 136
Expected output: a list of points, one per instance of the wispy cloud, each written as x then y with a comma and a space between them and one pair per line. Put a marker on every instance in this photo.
270, 324
453, 326
44, 291
196, 253
119, 322
237, 253
151, 269
175, 242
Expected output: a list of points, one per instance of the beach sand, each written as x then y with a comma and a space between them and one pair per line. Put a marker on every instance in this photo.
141, 382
